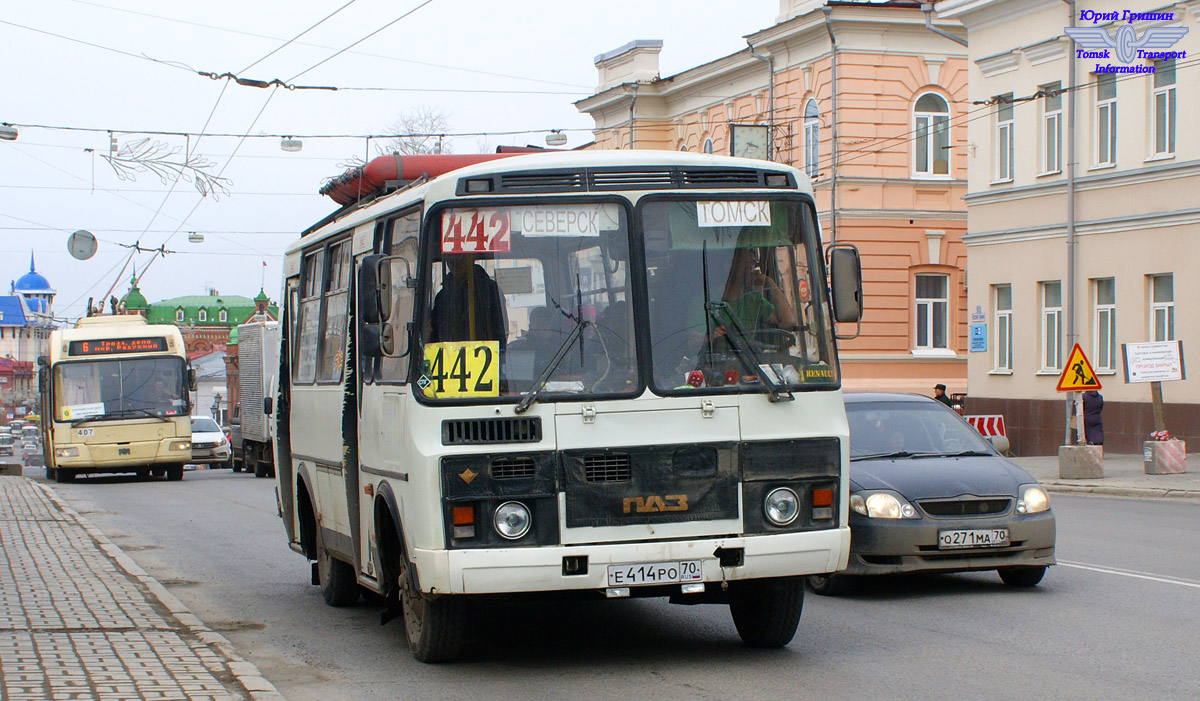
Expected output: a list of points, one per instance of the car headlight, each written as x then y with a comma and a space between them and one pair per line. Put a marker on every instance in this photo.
882, 505
1033, 500
781, 506
68, 452
512, 520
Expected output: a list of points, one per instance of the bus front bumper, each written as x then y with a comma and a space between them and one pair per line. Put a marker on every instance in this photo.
542, 569
170, 451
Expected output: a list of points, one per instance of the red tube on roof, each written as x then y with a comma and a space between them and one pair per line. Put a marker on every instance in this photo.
360, 183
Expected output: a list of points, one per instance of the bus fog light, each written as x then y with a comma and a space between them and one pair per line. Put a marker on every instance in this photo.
781, 506
180, 445
512, 520
69, 452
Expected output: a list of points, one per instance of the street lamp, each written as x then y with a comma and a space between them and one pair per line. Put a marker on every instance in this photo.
556, 138
8, 132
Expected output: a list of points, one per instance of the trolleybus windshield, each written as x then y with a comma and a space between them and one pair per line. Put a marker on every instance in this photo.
124, 388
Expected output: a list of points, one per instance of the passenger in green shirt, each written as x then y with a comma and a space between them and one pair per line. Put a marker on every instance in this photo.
754, 298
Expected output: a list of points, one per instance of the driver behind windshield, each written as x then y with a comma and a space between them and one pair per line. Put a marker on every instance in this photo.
469, 307
753, 297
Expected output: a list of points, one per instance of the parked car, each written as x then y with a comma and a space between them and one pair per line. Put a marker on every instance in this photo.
31, 454
929, 494
209, 445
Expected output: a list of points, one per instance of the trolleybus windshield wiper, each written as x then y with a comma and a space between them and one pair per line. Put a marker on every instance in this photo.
540, 383
749, 357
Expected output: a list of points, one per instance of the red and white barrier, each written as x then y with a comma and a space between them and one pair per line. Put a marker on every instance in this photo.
988, 425
1165, 457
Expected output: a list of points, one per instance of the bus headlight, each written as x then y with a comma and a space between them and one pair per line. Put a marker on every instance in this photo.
68, 452
512, 520
179, 445
781, 506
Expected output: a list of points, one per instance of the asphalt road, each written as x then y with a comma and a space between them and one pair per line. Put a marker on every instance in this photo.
1116, 619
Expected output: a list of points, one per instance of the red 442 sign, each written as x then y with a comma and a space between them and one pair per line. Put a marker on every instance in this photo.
475, 231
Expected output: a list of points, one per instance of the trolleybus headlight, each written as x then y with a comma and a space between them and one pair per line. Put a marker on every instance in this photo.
512, 520
70, 452
782, 506
180, 445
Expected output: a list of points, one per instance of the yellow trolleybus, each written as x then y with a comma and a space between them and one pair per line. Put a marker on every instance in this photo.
115, 399
606, 374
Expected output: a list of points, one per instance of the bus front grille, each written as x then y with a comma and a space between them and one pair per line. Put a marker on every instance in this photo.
479, 431
606, 467
513, 467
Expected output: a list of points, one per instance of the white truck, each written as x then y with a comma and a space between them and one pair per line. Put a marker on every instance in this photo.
250, 427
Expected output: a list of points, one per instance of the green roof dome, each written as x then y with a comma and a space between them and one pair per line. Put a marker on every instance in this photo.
233, 336
134, 299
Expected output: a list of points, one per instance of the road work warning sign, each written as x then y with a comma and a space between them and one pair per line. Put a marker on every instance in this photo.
1077, 375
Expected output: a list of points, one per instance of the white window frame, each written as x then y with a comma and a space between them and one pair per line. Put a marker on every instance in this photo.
1005, 150
223, 316
927, 125
1052, 355
1052, 129
1162, 307
1106, 122
1002, 321
202, 315
812, 134
178, 315
925, 315
708, 146
1104, 326
1163, 106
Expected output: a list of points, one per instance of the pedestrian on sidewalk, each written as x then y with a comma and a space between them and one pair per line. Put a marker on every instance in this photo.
1093, 427
939, 393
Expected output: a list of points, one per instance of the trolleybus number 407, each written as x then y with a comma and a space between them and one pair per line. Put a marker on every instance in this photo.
654, 573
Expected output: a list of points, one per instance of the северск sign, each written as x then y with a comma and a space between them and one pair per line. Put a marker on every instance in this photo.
1160, 361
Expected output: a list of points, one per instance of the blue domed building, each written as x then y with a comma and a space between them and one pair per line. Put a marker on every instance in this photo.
26, 320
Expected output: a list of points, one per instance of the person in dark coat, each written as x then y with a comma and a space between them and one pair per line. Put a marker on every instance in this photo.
1093, 428
469, 307
939, 393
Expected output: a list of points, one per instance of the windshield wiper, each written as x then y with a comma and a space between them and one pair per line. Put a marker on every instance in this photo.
745, 350
540, 383
958, 454
883, 456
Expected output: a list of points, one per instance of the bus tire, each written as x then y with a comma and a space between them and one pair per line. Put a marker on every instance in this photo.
51, 473
174, 473
767, 612
434, 626
143, 474
339, 586
61, 475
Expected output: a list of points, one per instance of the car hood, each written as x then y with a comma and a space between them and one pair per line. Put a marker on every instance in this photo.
929, 478
207, 437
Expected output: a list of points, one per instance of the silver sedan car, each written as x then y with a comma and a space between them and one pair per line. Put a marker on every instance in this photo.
929, 494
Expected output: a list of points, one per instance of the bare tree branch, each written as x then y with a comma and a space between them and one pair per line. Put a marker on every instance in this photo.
162, 159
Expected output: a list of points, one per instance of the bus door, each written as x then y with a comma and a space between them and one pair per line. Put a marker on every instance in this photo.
318, 369
383, 428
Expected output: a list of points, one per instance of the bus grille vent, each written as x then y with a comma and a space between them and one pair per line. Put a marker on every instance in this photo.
966, 507
477, 431
725, 177
632, 179
513, 467
542, 181
607, 467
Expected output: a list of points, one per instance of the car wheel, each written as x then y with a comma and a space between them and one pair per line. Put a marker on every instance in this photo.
830, 584
338, 583
766, 612
434, 627
1022, 576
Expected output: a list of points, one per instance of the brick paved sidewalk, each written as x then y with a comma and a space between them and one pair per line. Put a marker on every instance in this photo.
80, 620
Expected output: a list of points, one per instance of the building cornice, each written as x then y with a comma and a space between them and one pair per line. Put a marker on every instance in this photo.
1112, 225
1110, 179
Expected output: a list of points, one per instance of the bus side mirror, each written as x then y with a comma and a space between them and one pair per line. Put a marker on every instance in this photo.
268, 406
370, 301
191, 379
845, 278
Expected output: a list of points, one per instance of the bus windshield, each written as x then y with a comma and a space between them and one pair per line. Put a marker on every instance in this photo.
124, 388
736, 296
520, 294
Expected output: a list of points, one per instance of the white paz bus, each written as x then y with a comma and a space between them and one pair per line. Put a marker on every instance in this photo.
606, 374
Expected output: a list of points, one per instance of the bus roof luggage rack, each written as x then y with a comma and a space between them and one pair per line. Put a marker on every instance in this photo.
519, 429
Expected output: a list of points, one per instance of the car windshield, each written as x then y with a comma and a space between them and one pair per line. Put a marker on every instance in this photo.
736, 294
904, 429
141, 386
204, 425
521, 292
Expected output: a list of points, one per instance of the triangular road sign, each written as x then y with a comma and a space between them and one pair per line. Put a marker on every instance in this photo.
1077, 374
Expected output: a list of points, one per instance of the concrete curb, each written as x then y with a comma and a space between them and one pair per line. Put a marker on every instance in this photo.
245, 672
1129, 492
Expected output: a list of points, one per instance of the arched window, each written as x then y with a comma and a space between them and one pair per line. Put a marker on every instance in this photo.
202, 315
178, 315
812, 127
222, 316
931, 148
708, 146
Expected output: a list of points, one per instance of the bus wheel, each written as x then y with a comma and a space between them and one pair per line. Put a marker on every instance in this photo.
175, 473
766, 612
61, 475
339, 586
143, 474
50, 473
434, 626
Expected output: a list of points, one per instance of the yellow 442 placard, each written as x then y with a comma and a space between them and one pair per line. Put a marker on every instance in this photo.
461, 369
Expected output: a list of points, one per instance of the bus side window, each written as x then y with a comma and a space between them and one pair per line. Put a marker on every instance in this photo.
308, 320
404, 246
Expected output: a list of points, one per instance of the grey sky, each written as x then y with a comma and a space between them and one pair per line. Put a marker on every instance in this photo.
51, 185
